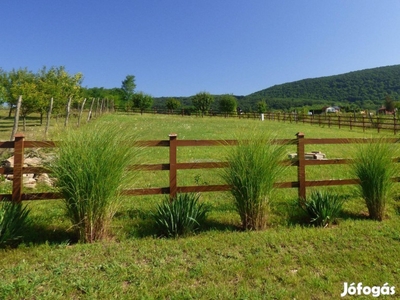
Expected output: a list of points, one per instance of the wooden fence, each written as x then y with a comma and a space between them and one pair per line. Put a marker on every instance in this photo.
19, 146
376, 123
351, 121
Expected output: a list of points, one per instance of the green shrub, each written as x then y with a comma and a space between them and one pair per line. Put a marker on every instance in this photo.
322, 207
374, 167
254, 166
180, 216
90, 170
13, 219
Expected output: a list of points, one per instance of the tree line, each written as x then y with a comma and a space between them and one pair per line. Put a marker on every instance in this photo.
56, 88
360, 90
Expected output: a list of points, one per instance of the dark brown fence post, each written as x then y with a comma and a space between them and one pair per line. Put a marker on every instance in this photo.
378, 119
363, 117
18, 164
172, 165
301, 168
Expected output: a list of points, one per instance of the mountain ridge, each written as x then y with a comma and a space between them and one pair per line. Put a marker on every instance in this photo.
364, 89
367, 87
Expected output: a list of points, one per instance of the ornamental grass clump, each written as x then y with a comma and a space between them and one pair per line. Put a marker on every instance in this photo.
90, 171
13, 219
181, 215
373, 165
322, 207
254, 166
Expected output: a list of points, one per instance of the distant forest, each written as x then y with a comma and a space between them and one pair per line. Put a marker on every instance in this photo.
365, 89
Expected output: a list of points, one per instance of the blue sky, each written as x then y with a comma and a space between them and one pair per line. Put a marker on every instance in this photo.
182, 47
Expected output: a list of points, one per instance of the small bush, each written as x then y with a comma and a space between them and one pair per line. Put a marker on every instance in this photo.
13, 219
90, 171
254, 166
322, 207
374, 167
181, 216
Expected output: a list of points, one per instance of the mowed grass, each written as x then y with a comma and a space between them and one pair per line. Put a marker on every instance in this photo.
289, 260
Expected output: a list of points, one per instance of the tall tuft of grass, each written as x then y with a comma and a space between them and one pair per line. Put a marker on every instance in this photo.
322, 207
374, 167
182, 215
254, 166
90, 170
13, 219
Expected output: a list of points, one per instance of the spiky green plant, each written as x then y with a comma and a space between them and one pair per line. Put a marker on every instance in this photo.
322, 207
254, 166
90, 170
13, 219
181, 215
374, 167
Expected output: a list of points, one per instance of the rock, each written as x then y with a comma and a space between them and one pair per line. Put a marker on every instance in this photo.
29, 180
33, 161
45, 179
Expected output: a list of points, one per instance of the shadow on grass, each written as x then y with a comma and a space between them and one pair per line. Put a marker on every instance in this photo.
143, 225
36, 234
345, 215
214, 225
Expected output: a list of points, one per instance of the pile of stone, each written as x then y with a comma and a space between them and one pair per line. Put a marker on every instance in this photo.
310, 155
29, 180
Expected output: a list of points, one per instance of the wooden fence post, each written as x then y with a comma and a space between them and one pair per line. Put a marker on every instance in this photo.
172, 166
378, 119
17, 170
363, 117
301, 168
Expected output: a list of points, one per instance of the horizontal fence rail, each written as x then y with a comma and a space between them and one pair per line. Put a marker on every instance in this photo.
18, 170
374, 122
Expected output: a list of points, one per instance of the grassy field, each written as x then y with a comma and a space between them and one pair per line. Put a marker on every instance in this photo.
289, 260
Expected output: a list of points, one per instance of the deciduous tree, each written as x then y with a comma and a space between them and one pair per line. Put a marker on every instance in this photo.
202, 101
389, 104
261, 107
128, 89
227, 104
142, 101
172, 104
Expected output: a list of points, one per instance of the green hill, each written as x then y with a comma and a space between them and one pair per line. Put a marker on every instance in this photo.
366, 89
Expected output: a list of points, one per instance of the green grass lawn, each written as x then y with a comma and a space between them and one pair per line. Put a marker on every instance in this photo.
289, 260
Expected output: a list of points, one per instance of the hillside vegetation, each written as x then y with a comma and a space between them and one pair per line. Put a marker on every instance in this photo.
364, 89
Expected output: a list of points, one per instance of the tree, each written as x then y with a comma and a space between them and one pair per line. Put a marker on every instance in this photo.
25, 83
142, 101
202, 101
58, 84
3, 91
261, 107
227, 104
172, 104
128, 89
389, 104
